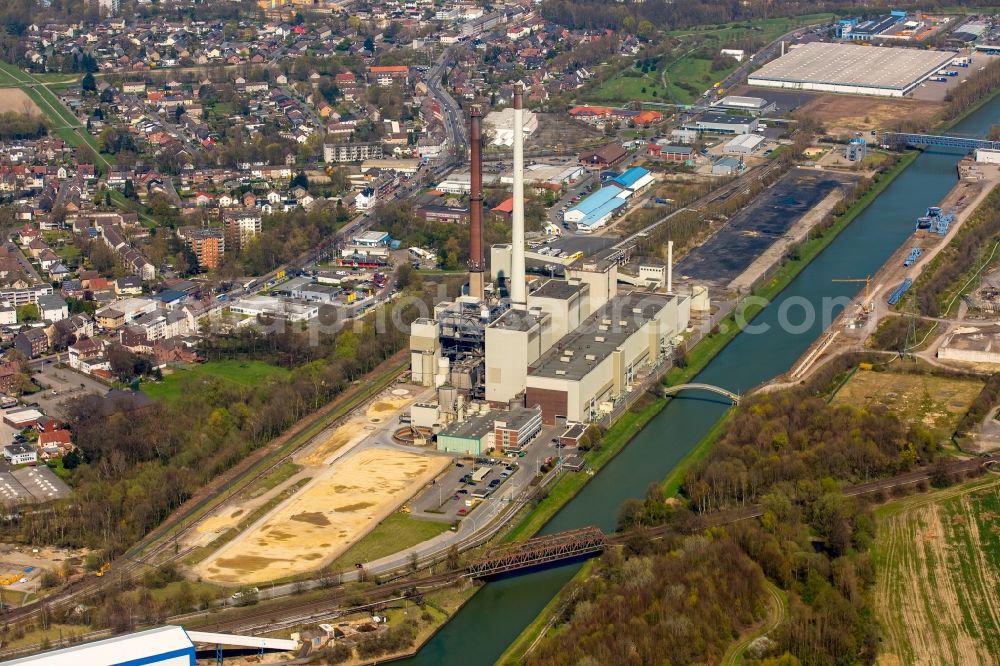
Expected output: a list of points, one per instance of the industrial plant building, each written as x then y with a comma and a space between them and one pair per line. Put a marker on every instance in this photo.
597, 363
755, 106
851, 69
723, 123
162, 646
597, 209
514, 353
972, 344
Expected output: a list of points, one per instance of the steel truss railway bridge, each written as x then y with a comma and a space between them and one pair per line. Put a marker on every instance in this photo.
900, 140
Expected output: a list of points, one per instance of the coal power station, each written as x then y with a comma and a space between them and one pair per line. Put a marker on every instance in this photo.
558, 350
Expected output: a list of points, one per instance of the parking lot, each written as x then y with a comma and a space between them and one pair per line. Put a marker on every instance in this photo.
452, 495
61, 384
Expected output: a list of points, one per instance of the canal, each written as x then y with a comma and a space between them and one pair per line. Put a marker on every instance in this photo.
496, 615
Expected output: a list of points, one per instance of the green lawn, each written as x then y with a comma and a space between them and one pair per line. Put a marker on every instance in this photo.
694, 72
628, 85
246, 373
393, 535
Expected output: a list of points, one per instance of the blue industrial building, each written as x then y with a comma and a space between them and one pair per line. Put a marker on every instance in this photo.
597, 209
634, 179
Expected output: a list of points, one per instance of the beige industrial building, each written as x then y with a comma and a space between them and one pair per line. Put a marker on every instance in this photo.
425, 351
513, 342
595, 364
972, 344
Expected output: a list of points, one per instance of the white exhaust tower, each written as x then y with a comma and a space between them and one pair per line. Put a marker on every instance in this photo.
518, 298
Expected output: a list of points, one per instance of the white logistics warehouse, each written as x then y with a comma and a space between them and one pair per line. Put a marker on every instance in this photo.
851, 69
163, 646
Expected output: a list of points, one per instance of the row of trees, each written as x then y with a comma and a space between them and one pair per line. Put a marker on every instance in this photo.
14, 125
976, 88
642, 18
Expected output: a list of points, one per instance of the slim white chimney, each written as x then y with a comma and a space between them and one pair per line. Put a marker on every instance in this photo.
670, 267
518, 298
782, 47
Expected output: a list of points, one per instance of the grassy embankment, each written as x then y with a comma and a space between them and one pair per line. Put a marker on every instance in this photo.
393, 535
698, 358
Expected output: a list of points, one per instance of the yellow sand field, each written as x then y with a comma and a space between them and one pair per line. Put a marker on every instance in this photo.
324, 518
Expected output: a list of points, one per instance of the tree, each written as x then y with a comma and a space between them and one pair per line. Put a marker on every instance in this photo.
88, 84
369, 44
178, 112
28, 312
405, 275
71, 460
299, 180
122, 362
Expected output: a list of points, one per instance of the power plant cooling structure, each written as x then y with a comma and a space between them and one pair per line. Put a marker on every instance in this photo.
518, 298
477, 262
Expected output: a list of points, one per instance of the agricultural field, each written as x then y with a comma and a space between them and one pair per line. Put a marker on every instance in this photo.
14, 99
937, 402
937, 590
247, 373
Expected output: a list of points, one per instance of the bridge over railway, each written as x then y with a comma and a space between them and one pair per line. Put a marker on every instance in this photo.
674, 390
903, 139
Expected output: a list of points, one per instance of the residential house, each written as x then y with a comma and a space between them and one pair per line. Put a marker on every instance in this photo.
32, 342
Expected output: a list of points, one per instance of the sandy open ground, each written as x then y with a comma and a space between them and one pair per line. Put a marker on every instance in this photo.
324, 518
855, 112
14, 99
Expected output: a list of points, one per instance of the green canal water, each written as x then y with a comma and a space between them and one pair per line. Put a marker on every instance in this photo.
496, 615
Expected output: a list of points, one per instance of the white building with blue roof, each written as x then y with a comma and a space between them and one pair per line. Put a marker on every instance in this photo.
595, 211
635, 179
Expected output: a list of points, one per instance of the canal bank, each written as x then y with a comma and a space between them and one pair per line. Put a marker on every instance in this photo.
494, 617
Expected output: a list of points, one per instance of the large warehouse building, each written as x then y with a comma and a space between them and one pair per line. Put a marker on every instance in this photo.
162, 646
851, 69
